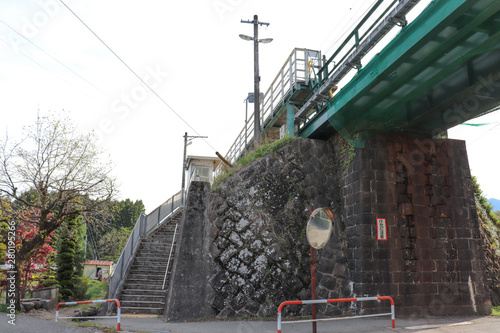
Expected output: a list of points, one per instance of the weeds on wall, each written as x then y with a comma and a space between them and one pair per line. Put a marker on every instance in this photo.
263, 150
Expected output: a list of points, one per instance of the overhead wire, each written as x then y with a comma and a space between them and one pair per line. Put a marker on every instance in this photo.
349, 29
93, 242
39, 64
136, 75
53, 58
341, 23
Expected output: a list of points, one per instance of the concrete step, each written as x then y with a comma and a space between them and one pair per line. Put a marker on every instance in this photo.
145, 256
155, 249
144, 267
160, 292
143, 304
145, 272
138, 277
148, 286
139, 310
156, 243
142, 298
152, 255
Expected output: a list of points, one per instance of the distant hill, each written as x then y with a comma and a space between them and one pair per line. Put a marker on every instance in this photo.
495, 203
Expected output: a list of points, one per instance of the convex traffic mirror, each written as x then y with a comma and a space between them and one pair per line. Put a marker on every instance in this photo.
319, 227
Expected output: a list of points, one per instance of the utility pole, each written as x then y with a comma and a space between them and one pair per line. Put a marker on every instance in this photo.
187, 142
256, 41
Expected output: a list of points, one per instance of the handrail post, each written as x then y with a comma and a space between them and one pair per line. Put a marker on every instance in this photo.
144, 224
159, 215
132, 244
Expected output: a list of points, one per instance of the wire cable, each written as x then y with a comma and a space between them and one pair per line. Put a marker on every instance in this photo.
42, 66
53, 58
136, 75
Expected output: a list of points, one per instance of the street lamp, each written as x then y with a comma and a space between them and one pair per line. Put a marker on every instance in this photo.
256, 42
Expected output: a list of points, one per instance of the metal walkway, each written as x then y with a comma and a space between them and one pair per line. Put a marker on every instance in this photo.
440, 70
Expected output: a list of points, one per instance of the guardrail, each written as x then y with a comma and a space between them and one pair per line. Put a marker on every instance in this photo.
337, 300
294, 71
118, 311
144, 225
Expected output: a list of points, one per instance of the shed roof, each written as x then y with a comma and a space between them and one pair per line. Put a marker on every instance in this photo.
98, 262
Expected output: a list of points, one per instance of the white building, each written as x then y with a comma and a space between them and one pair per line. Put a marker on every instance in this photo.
201, 168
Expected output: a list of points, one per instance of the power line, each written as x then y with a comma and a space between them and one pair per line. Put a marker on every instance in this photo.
36, 62
93, 243
52, 57
136, 75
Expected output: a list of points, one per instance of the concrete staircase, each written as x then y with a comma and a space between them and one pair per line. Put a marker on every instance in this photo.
142, 292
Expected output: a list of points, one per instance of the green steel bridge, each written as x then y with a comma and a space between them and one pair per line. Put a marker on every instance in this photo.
439, 71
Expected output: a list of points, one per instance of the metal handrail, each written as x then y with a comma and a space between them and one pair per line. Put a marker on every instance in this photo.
294, 71
144, 226
170, 256
328, 78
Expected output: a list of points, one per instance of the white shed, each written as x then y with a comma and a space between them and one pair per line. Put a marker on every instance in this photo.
201, 168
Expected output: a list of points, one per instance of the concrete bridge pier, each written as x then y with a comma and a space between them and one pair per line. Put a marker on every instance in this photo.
432, 262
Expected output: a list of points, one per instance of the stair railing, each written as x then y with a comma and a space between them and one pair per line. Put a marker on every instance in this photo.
170, 255
144, 225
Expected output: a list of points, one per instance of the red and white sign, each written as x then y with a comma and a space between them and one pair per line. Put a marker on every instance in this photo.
381, 229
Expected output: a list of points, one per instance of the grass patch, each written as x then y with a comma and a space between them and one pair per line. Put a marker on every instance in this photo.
263, 150
90, 323
495, 311
3, 308
96, 290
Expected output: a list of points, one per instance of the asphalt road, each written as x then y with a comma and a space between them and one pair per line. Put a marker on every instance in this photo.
26, 324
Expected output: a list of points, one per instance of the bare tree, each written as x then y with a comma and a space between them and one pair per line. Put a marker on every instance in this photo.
64, 174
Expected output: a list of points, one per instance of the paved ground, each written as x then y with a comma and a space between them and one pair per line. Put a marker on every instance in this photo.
364, 325
26, 324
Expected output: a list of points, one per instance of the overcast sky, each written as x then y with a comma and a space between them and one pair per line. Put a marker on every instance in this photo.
189, 52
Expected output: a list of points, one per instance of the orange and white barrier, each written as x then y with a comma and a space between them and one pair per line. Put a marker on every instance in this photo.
336, 300
118, 310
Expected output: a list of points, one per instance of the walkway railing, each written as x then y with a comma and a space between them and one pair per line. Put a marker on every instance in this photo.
118, 311
356, 45
294, 72
337, 300
144, 225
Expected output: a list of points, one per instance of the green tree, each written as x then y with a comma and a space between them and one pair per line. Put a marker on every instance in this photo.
64, 171
114, 235
127, 213
113, 242
66, 272
483, 201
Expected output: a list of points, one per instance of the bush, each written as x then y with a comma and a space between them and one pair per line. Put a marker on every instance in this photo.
96, 290
49, 282
484, 202
81, 287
